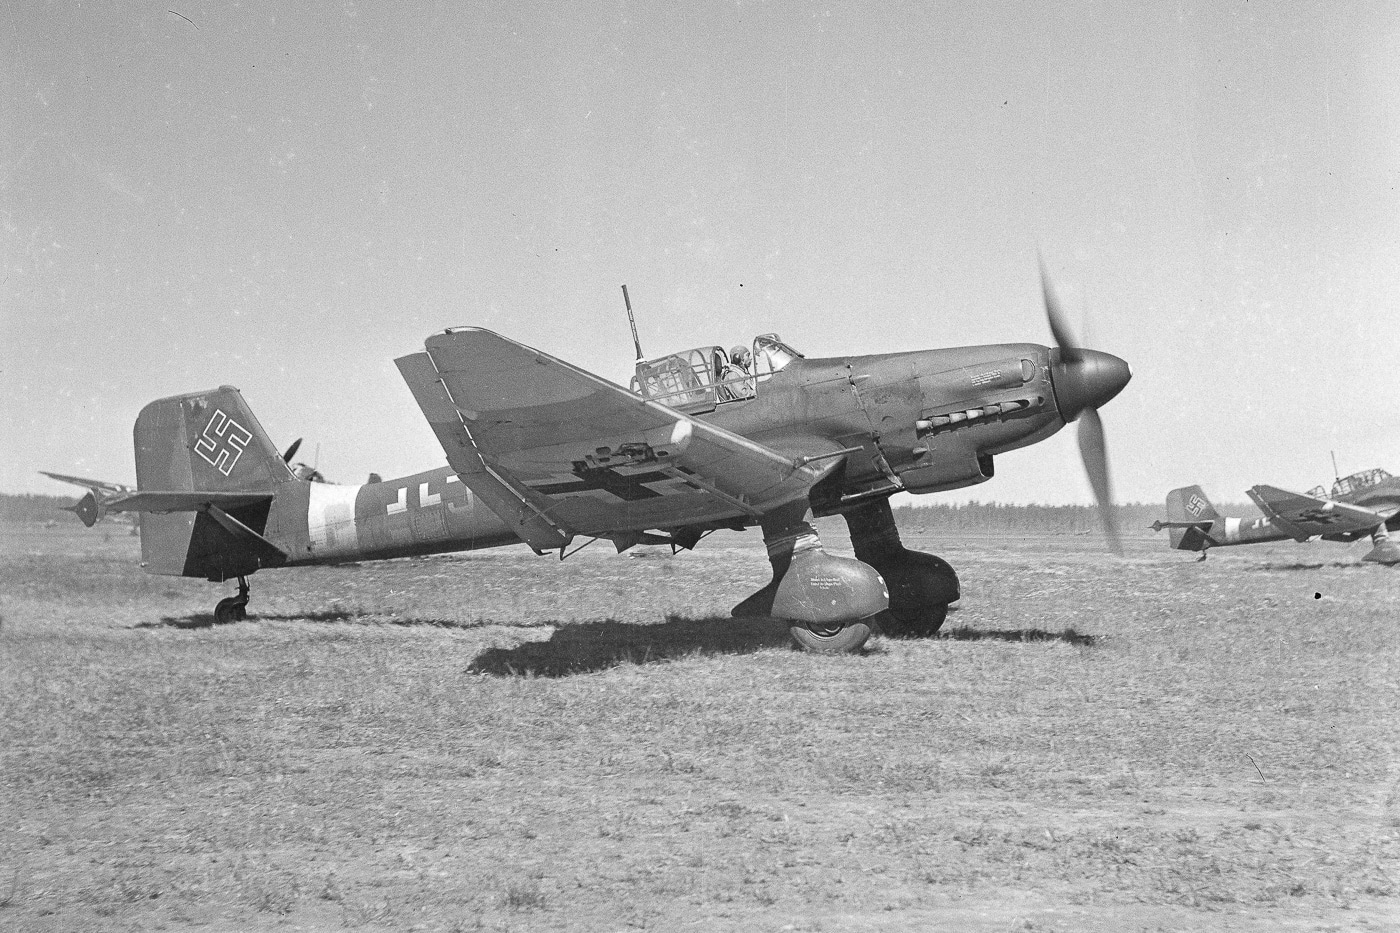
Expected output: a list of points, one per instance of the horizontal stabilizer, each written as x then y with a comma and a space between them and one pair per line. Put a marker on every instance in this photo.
184, 501
1199, 526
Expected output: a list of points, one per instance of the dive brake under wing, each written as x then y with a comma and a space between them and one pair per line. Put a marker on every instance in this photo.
556, 451
1303, 516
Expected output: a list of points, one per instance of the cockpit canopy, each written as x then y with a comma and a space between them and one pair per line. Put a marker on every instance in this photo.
701, 379
771, 355
1353, 483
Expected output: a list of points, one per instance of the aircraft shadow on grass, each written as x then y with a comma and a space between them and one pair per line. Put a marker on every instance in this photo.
207, 620
580, 648
1069, 636
1326, 565
584, 647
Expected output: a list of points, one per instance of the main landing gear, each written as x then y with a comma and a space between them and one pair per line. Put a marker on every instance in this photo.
1383, 550
830, 601
921, 585
233, 608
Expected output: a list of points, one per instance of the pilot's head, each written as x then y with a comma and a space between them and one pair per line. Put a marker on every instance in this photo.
739, 356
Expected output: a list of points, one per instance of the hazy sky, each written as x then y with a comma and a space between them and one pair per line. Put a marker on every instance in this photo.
286, 196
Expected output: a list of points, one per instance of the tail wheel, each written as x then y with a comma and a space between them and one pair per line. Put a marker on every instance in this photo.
830, 638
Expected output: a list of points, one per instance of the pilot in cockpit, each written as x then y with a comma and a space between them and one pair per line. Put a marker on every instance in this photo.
736, 381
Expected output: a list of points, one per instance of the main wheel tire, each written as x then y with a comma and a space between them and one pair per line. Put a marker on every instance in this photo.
830, 638
923, 622
229, 610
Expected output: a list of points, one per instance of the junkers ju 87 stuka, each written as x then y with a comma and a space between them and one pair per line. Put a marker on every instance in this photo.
542, 452
1362, 505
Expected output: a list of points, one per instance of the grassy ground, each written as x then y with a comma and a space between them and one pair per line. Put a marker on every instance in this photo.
497, 741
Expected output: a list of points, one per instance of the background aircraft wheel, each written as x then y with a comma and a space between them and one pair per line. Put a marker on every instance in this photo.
923, 622
229, 610
830, 637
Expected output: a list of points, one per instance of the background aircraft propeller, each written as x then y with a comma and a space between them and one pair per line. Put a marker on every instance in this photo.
1084, 380
301, 470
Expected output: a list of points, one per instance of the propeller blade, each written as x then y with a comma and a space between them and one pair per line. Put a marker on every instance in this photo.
1084, 380
1093, 450
291, 451
1054, 314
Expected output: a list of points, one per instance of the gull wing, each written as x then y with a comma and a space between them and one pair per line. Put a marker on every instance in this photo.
1302, 516
96, 485
556, 451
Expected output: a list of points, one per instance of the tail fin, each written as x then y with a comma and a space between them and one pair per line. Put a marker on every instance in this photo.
1185, 505
206, 442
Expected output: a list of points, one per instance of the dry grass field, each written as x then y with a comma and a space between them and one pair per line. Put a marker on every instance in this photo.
501, 742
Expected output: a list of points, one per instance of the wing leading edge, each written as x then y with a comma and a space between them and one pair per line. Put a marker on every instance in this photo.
557, 451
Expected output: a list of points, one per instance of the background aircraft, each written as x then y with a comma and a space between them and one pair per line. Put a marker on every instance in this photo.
1365, 503
543, 452
92, 507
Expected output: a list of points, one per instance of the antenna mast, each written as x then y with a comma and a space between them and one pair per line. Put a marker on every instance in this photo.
1335, 472
631, 320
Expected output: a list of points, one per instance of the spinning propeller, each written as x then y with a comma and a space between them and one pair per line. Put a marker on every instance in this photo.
1084, 380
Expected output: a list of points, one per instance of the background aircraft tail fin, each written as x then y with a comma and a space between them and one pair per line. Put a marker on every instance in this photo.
207, 442
1189, 504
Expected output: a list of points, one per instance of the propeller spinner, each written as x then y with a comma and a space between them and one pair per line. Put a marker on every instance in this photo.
1084, 380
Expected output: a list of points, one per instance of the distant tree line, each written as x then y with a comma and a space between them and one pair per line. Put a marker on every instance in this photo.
971, 518
35, 508
1001, 518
